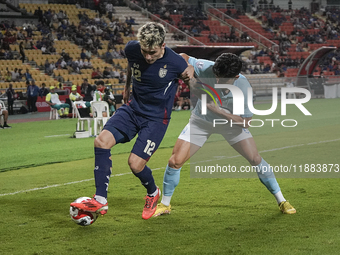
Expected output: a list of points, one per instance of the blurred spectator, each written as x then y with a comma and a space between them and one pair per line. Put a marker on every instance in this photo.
87, 90
52, 99
43, 91
183, 96
15, 75
29, 31
75, 96
32, 96
21, 75
299, 48
8, 76
4, 113
122, 77
22, 52
106, 73
110, 99
98, 94
47, 67
20, 35
108, 57
96, 73
109, 10
27, 75
87, 64
10, 98
83, 55
115, 73
39, 13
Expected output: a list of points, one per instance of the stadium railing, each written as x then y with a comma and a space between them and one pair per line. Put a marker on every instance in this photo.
169, 27
226, 19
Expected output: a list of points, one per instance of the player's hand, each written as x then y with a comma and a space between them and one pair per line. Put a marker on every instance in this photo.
213, 107
188, 74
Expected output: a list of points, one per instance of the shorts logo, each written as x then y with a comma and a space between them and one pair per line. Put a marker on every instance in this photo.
162, 72
184, 130
245, 130
199, 64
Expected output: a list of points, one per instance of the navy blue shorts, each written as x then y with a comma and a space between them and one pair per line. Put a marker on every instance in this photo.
150, 132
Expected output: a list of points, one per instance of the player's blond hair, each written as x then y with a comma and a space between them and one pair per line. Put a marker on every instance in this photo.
151, 34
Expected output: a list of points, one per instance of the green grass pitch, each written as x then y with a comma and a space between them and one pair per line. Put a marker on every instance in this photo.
42, 170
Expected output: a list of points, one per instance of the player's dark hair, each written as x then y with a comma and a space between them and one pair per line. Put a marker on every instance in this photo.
100, 82
227, 65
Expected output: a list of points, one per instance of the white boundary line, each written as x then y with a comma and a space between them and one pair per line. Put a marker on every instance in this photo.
56, 135
159, 168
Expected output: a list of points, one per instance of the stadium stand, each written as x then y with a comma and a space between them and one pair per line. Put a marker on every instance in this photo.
80, 38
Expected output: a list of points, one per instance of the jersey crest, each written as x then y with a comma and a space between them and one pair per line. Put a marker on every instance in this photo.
162, 72
199, 64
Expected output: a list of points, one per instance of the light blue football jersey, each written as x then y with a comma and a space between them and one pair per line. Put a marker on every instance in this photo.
204, 73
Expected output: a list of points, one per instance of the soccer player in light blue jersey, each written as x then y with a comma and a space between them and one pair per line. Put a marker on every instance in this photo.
154, 70
226, 68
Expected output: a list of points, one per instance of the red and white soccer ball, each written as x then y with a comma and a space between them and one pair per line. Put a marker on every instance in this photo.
81, 217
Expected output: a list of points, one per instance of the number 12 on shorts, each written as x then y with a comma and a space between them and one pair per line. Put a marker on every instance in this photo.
149, 147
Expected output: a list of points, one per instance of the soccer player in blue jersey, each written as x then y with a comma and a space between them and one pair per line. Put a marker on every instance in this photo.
154, 70
226, 69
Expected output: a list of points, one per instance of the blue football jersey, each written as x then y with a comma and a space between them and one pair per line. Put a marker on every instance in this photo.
153, 85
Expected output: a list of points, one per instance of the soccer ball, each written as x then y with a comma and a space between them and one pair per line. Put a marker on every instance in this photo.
81, 217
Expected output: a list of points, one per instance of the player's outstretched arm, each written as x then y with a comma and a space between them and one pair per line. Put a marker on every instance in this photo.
126, 94
185, 56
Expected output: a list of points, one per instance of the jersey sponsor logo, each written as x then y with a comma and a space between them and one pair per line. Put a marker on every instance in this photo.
162, 72
199, 64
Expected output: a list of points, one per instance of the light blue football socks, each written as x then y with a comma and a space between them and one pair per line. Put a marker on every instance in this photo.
264, 172
170, 181
267, 177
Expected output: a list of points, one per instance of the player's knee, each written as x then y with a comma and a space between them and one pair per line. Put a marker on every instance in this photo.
134, 166
99, 142
255, 160
175, 161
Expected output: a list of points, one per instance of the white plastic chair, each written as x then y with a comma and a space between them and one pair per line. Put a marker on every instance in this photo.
98, 108
74, 110
75, 113
81, 120
54, 114
3, 107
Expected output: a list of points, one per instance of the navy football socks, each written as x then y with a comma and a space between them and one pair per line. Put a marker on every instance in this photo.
146, 178
102, 170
